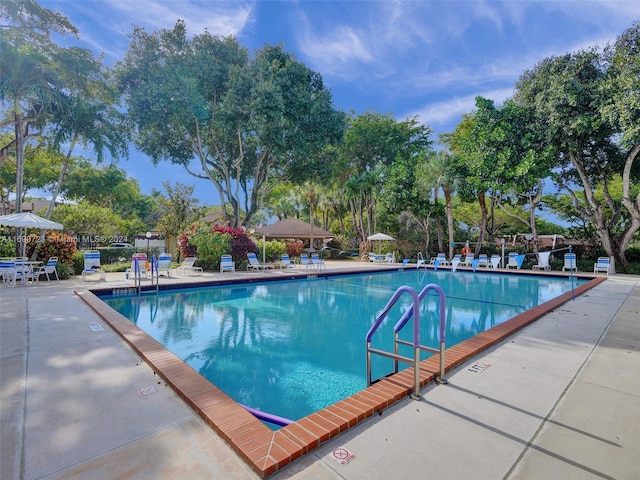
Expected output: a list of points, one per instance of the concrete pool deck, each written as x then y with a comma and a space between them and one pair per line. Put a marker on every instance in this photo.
559, 399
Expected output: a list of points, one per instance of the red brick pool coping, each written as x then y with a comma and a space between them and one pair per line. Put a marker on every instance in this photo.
266, 450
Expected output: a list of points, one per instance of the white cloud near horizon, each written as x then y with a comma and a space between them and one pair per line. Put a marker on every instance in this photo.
450, 111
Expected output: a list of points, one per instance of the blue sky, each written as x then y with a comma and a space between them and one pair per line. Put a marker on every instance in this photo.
428, 59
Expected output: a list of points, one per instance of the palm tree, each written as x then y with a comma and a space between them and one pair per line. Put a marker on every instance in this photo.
95, 123
437, 173
24, 84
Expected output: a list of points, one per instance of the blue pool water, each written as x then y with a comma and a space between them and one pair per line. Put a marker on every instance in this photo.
293, 347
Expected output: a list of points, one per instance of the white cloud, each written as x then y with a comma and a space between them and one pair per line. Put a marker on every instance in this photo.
450, 111
335, 52
218, 18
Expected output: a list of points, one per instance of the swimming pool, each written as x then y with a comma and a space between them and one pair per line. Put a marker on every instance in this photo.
294, 347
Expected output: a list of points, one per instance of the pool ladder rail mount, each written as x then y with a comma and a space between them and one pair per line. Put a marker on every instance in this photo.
415, 344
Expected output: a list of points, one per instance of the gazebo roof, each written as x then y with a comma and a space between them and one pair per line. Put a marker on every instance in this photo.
293, 228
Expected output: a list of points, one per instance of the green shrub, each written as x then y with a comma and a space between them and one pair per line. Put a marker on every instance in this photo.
633, 254
117, 255
77, 262
7, 247
65, 270
274, 249
210, 246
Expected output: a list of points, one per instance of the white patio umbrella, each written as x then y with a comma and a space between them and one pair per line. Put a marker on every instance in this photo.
28, 220
381, 237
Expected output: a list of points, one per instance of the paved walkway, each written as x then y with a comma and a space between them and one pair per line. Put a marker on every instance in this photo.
560, 399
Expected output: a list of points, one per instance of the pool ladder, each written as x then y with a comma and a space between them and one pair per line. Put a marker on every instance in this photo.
137, 273
415, 313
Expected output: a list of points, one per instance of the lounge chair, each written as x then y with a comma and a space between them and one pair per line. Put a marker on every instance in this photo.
375, 258
317, 262
570, 262
227, 264
92, 265
495, 261
139, 267
455, 261
188, 266
602, 265
483, 260
439, 260
304, 260
388, 258
164, 264
286, 262
513, 261
543, 261
254, 263
467, 260
46, 269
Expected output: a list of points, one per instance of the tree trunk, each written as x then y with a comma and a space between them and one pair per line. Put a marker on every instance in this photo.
447, 198
633, 207
19, 125
482, 200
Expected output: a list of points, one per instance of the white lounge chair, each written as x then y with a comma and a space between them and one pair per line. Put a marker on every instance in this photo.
603, 265
164, 264
188, 267
483, 260
513, 261
138, 266
455, 261
254, 263
286, 262
543, 261
92, 265
316, 261
570, 262
304, 260
466, 262
495, 261
227, 264
439, 260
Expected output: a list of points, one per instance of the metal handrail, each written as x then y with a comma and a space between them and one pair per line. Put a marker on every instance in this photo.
416, 337
417, 347
154, 268
441, 330
137, 278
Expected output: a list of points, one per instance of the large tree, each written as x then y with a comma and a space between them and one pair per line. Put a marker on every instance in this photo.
29, 77
505, 157
242, 123
622, 109
373, 144
588, 103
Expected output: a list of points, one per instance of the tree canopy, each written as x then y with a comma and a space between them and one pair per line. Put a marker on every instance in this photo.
242, 123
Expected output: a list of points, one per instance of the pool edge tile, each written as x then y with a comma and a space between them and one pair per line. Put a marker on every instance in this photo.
267, 451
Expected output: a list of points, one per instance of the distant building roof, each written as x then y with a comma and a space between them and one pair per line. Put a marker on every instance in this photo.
293, 228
